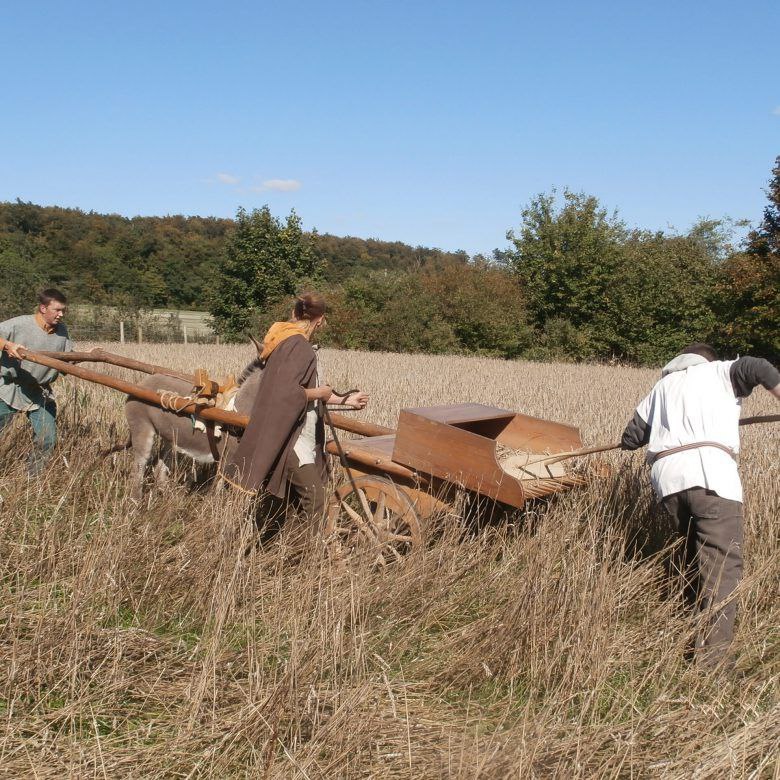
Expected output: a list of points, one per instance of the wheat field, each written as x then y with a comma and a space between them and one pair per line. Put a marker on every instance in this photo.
161, 642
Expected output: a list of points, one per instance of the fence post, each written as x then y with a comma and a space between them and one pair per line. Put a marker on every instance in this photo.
140, 334
184, 331
121, 331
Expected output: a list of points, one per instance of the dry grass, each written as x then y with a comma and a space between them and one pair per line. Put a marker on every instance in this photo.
148, 644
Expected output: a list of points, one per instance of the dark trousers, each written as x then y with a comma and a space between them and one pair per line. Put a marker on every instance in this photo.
306, 482
712, 564
306, 488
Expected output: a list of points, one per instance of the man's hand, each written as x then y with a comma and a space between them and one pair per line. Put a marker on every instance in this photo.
13, 349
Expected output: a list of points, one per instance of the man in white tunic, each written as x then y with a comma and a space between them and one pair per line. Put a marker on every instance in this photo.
690, 424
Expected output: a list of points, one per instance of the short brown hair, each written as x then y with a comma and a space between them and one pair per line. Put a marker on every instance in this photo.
704, 350
45, 297
308, 306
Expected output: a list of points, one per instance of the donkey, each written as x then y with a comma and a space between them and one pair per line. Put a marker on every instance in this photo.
178, 433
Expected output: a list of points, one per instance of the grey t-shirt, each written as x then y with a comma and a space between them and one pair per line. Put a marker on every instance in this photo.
24, 385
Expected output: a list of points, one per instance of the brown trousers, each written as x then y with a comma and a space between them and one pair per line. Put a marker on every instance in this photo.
712, 566
306, 488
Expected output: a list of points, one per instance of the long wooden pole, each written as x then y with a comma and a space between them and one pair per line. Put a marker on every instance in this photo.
764, 418
174, 403
177, 404
98, 355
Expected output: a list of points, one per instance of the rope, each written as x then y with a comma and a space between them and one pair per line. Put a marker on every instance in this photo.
169, 400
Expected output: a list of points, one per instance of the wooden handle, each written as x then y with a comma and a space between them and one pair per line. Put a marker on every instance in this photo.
762, 418
765, 418
577, 453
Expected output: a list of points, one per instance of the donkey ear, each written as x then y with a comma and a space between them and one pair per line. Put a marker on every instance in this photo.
258, 344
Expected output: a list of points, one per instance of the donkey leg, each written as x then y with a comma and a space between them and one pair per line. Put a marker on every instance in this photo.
142, 437
161, 470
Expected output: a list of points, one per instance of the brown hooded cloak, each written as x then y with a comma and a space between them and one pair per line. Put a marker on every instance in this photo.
277, 417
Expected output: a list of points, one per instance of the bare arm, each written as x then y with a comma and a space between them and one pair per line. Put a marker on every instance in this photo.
11, 348
325, 393
775, 391
357, 399
321, 393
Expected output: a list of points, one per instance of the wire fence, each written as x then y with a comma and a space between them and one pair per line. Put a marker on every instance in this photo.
144, 328
141, 333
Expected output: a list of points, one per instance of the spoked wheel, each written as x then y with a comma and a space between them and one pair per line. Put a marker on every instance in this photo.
372, 516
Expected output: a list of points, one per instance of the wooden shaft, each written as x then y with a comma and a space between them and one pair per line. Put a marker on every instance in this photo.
385, 465
177, 403
98, 355
576, 453
606, 447
173, 403
762, 418
358, 426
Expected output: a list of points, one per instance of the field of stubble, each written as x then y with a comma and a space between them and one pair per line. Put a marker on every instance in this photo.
145, 642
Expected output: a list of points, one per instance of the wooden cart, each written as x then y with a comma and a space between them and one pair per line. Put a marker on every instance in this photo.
396, 479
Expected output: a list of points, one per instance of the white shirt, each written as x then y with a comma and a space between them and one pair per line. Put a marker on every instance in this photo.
306, 443
693, 405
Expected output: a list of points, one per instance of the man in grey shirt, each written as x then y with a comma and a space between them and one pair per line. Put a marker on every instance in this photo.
26, 386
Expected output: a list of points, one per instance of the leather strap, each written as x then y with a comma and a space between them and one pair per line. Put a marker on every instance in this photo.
212, 440
695, 445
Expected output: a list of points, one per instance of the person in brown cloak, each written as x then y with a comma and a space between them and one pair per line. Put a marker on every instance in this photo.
283, 447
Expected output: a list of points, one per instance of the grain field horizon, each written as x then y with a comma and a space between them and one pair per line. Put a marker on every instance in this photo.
162, 641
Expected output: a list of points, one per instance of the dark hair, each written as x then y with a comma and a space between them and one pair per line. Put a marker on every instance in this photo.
308, 306
705, 350
45, 297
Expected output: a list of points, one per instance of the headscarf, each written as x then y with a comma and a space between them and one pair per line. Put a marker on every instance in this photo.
278, 332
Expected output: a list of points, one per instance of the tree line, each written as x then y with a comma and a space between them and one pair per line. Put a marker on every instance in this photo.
574, 283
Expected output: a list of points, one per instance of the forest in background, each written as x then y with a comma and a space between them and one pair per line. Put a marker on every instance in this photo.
574, 283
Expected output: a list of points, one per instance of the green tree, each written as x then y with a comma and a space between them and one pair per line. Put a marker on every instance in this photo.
21, 281
661, 296
483, 305
748, 295
264, 261
566, 260
388, 311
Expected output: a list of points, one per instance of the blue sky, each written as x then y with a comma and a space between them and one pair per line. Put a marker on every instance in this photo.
431, 123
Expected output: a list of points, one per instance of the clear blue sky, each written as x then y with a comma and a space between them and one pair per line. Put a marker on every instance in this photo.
427, 122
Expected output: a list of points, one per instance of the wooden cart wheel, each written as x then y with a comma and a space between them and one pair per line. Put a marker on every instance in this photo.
371, 515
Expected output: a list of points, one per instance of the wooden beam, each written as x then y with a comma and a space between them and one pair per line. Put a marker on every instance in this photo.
176, 404
98, 355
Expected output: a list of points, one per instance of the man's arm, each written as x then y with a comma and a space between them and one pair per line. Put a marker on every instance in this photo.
749, 372
6, 341
636, 434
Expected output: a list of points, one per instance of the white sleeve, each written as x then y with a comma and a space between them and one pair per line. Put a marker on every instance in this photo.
645, 406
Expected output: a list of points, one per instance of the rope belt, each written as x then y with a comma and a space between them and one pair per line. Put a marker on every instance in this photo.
695, 445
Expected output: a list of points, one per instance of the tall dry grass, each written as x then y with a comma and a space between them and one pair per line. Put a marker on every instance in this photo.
161, 642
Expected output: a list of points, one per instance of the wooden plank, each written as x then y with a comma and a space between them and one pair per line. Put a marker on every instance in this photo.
532, 434
455, 414
455, 455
